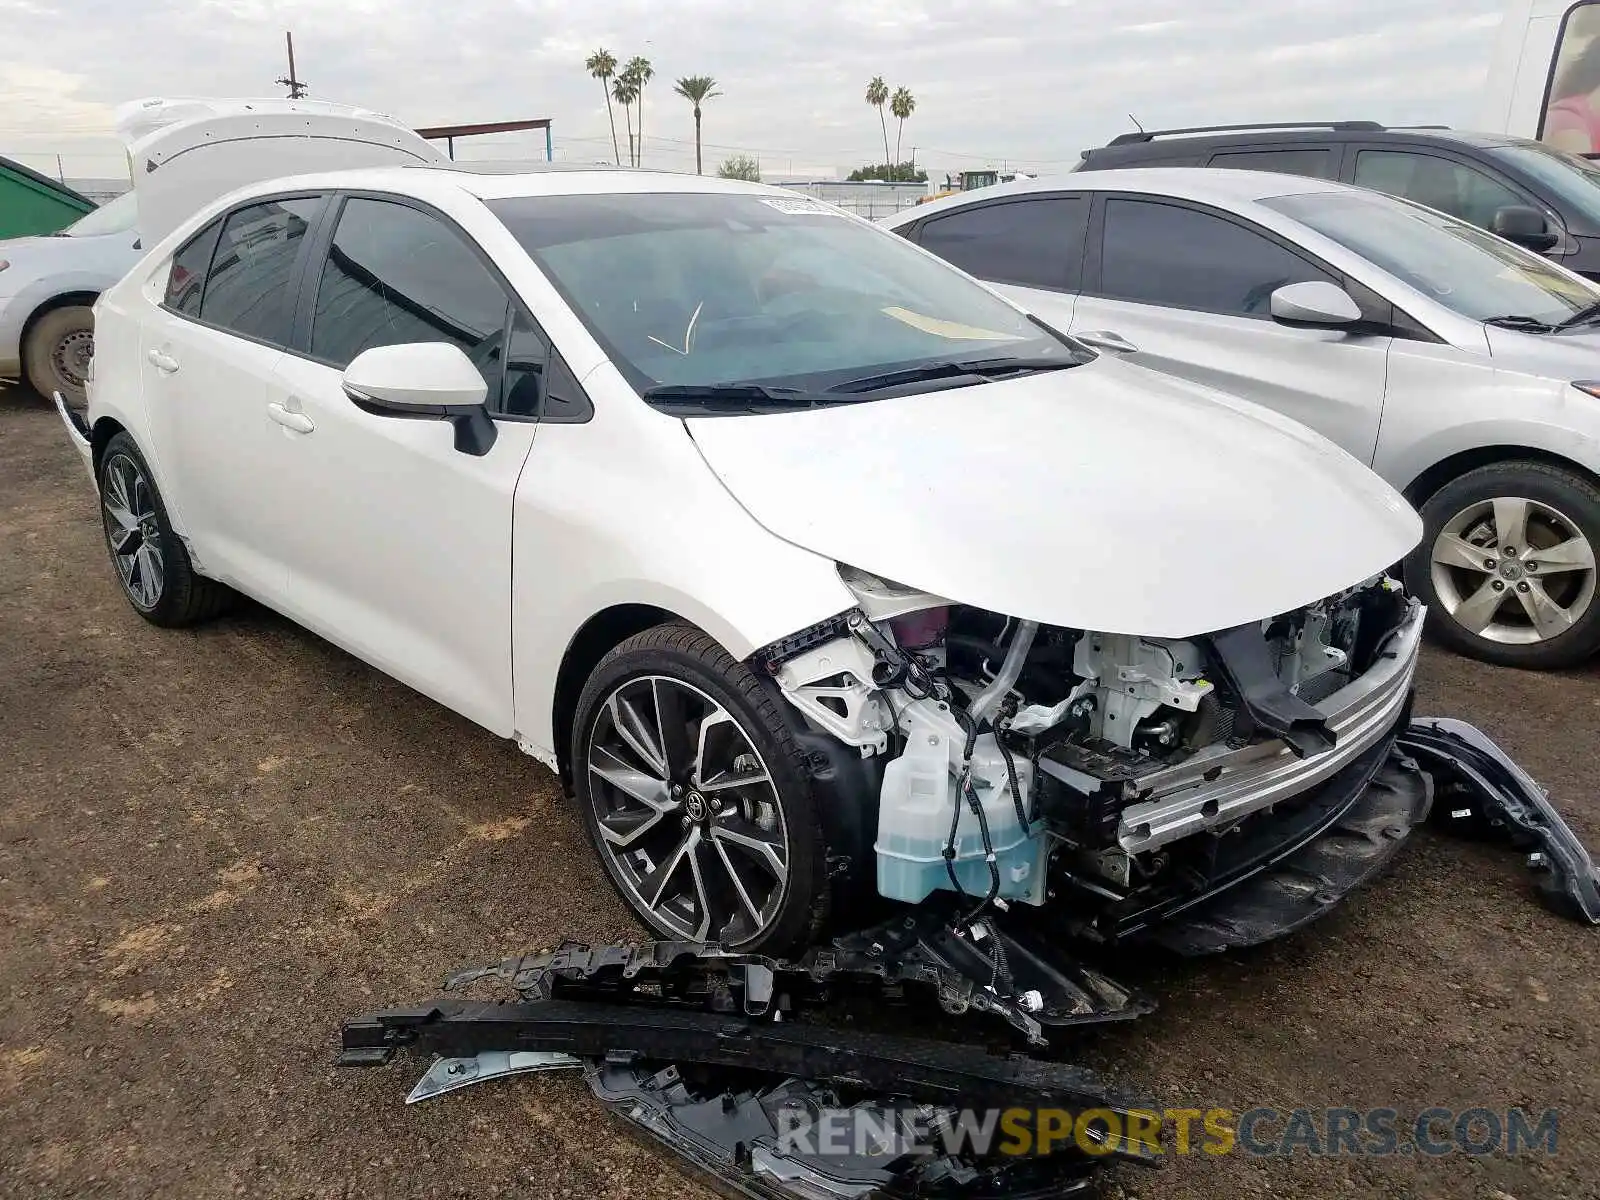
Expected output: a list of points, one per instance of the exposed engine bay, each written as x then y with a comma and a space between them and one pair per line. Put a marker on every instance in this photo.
1023, 761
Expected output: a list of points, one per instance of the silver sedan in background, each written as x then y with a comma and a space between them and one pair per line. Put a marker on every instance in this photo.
1465, 369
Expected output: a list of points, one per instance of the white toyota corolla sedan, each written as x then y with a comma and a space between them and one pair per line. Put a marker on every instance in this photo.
816, 568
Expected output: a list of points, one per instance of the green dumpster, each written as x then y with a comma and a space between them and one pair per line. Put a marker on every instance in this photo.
31, 203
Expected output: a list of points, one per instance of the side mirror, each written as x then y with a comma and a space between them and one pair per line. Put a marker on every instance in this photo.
1525, 226
425, 380
1316, 304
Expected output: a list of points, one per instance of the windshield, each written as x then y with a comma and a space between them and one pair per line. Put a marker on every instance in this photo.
1576, 181
114, 216
713, 289
1468, 270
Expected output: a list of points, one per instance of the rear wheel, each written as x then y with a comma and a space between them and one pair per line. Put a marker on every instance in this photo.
1507, 565
57, 353
151, 562
695, 797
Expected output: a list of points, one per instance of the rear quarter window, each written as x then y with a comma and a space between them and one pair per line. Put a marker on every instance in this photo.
1315, 164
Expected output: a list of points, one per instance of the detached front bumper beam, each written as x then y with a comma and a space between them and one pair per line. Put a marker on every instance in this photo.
930, 1071
1481, 793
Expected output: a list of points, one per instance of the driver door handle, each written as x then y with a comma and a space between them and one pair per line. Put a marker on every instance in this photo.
1105, 339
296, 421
163, 362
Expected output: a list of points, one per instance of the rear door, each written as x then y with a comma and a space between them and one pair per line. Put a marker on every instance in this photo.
1190, 287
1028, 247
207, 359
402, 543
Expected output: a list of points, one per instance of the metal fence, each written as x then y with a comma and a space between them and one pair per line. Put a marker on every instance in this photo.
871, 200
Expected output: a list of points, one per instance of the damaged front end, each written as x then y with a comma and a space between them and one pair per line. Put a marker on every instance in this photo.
1122, 787
1036, 800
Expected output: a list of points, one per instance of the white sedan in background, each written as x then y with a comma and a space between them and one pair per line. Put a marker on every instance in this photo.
48, 286
1465, 369
769, 531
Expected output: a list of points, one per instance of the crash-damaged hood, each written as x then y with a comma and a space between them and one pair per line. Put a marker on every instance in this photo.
1103, 497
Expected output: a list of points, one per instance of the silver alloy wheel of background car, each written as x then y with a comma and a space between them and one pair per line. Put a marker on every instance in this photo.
1513, 570
132, 530
687, 812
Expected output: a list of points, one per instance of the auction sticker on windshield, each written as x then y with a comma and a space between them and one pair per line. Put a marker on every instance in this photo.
801, 206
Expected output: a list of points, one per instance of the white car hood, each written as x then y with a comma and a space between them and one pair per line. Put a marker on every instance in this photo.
94, 263
1575, 355
1105, 497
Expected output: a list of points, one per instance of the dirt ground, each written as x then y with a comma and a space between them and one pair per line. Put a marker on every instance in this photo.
215, 844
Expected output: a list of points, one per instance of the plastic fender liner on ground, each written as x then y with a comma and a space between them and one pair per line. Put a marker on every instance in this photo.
1482, 793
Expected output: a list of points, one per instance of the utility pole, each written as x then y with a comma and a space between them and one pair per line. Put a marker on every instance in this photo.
296, 85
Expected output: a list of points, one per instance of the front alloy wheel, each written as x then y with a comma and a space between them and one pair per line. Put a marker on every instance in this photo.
694, 795
687, 812
1508, 563
1513, 570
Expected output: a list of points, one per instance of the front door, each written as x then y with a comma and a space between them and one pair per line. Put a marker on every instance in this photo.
1191, 290
207, 360
403, 552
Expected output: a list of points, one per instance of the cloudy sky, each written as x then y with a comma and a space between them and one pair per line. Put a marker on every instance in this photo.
1024, 82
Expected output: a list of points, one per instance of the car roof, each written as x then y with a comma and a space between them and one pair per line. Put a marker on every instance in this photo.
1211, 141
499, 181
1212, 185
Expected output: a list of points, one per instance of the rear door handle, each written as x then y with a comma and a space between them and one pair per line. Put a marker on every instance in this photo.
163, 362
1105, 339
296, 421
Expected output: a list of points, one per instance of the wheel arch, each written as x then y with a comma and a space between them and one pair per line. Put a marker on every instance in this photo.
75, 299
100, 437
595, 638
1452, 467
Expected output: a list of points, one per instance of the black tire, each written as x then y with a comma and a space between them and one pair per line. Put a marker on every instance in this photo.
180, 596
680, 652
56, 351
1573, 498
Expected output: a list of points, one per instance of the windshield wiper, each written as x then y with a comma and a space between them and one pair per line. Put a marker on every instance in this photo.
1584, 316
1517, 321
731, 395
981, 368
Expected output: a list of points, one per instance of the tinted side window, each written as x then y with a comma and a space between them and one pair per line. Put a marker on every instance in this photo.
1317, 164
1033, 243
1450, 187
395, 275
1180, 258
187, 279
247, 289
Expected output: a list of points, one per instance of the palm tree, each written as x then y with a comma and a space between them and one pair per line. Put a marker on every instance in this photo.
639, 72
625, 92
697, 89
877, 97
603, 66
902, 106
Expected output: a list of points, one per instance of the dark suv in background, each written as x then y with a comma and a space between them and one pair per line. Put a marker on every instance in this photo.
1542, 198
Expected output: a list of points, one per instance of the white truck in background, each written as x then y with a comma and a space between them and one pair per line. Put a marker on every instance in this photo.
1544, 78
